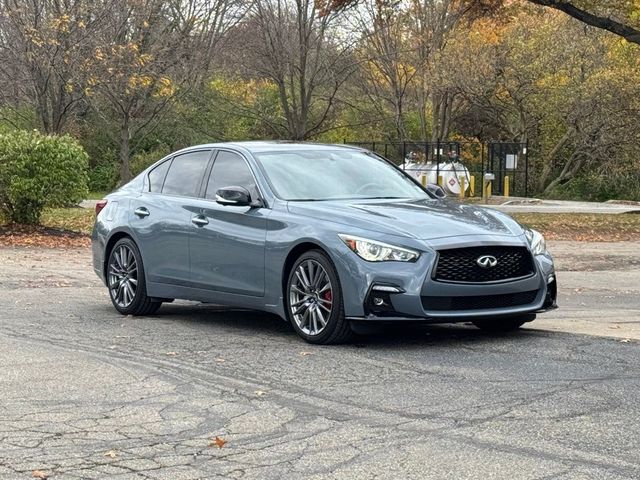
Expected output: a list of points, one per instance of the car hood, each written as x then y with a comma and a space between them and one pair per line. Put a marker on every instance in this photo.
423, 219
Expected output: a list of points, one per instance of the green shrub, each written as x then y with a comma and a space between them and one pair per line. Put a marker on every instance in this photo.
103, 177
142, 160
39, 170
614, 185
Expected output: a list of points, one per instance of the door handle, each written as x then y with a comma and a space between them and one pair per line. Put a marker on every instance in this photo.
200, 221
141, 212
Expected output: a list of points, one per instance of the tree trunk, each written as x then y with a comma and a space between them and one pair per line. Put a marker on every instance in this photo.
125, 152
547, 165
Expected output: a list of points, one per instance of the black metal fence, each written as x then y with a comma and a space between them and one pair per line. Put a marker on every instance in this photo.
502, 159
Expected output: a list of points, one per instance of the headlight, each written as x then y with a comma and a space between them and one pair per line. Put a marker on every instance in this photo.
536, 240
373, 251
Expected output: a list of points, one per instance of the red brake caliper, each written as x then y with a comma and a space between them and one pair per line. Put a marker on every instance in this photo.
328, 296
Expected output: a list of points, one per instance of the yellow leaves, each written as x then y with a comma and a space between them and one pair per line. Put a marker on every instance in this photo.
488, 31
143, 59
68, 87
247, 92
553, 80
61, 23
140, 81
165, 88
98, 54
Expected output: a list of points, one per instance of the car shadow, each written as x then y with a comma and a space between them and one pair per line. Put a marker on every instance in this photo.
401, 333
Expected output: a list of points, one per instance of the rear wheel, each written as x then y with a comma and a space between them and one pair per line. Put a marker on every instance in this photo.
499, 325
126, 280
314, 302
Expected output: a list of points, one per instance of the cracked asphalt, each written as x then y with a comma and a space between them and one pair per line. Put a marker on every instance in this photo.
86, 393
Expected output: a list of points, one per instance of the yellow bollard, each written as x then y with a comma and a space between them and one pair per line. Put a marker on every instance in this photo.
489, 183
423, 180
440, 180
472, 186
506, 186
462, 181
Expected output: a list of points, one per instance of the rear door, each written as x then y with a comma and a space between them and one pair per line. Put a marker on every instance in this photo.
161, 217
228, 243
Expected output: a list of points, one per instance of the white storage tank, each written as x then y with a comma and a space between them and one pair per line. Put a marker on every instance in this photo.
451, 172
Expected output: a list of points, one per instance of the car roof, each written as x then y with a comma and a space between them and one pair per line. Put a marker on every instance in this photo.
261, 146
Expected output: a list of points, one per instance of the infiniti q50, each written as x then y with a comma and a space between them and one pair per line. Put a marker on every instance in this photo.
321, 235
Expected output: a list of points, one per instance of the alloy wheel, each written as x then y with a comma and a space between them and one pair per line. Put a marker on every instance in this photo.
123, 276
311, 297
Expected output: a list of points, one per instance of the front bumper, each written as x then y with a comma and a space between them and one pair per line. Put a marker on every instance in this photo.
419, 297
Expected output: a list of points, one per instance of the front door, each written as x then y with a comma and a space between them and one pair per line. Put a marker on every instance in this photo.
227, 245
161, 217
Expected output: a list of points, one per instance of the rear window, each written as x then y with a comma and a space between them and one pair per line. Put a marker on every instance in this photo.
156, 176
185, 174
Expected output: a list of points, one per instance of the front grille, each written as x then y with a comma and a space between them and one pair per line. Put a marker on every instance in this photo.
479, 302
460, 264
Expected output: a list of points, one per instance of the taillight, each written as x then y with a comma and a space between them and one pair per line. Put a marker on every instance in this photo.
100, 205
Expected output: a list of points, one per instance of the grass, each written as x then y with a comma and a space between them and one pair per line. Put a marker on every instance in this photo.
78, 220
96, 195
583, 227
59, 227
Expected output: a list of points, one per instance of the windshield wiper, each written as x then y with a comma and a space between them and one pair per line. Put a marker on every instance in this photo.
379, 198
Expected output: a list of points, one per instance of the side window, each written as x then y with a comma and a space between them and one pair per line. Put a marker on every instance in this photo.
185, 174
156, 176
230, 170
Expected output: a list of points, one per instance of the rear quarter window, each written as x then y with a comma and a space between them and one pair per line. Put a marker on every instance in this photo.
185, 174
157, 176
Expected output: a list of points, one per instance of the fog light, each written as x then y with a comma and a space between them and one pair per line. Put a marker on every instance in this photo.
378, 302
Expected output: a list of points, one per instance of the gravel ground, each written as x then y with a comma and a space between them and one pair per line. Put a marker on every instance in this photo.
87, 393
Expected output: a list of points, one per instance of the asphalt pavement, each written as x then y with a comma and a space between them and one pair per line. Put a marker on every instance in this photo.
87, 393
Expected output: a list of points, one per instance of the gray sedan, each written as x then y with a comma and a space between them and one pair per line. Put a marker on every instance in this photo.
321, 235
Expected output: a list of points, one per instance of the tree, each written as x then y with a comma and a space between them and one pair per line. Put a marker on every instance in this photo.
149, 53
620, 17
289, 44
42, 45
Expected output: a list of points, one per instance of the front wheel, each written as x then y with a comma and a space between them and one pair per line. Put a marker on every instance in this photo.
501, 325
314, 302
126, 280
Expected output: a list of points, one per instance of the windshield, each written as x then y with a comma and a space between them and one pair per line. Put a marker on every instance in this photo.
335, 175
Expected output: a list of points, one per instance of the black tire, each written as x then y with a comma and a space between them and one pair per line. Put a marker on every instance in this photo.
337, 328
503, 325
138, 303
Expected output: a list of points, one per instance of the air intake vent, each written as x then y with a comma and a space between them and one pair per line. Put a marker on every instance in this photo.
481, 302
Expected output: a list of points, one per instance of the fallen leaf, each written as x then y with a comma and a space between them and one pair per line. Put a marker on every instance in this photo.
172, 354
260, 393
304, 354
39, 474
614, 326
111, 454
220, 360
625, 340
217, 442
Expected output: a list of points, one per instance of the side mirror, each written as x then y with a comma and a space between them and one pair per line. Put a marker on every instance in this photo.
436, 190
236, 196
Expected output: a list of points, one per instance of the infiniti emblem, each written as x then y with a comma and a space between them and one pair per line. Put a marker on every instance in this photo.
487, 261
